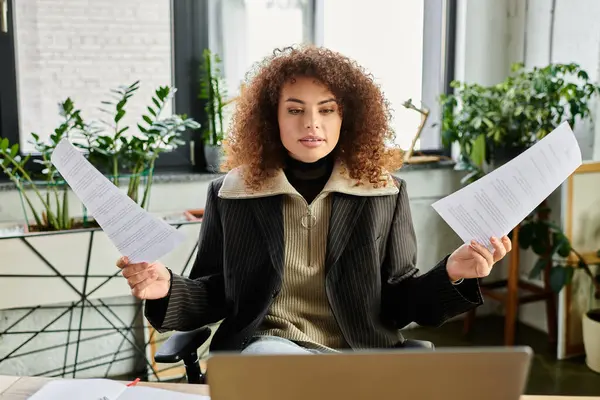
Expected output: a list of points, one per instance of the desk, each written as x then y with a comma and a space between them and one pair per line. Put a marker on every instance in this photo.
19, 388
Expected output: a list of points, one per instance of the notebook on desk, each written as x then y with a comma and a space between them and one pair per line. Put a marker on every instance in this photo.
105, 389
498, 373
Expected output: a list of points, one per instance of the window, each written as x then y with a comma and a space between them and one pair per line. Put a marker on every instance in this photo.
82, 50
388, 42
53, 50
79, 50
399, 42
243, 32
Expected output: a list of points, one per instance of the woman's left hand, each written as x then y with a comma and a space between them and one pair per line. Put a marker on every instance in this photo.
475, 260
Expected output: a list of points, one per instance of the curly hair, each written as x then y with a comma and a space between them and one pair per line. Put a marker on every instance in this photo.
254, 143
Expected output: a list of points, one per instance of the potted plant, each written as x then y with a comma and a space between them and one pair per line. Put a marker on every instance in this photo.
554, 249
493, 124
52, 261
107, 148
212, 92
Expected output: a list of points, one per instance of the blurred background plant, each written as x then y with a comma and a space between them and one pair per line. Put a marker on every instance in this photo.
553, 248
493, 124
213, 94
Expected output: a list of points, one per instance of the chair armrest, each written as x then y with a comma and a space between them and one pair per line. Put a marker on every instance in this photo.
417, 344
181, 344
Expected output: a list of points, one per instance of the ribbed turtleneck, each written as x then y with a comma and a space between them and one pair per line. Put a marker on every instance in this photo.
308, 178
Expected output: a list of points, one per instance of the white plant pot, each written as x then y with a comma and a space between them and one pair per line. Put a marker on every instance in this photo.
36, 283
591, 339
75, 257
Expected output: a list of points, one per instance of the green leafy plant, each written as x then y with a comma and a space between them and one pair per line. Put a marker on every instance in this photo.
160, 135
494, 123
212, 91
554, 250
134, 156
107, 148
54, 202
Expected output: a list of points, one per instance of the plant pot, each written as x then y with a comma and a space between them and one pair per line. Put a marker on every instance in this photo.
214, 157
591, 339
82, 255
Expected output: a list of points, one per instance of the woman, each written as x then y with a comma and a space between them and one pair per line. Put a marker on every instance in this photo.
307, 244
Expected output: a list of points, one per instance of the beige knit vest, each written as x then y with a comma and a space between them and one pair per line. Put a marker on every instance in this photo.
301, 312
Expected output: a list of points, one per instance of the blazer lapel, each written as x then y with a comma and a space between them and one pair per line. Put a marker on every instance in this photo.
345, 211
269, 217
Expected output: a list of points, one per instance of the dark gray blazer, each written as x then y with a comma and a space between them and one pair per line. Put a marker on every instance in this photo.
372, 284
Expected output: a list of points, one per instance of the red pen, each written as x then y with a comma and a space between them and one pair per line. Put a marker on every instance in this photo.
134, 382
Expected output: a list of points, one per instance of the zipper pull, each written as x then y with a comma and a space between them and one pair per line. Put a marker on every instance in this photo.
308, 221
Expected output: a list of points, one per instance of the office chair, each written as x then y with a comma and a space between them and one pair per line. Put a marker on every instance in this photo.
183, 346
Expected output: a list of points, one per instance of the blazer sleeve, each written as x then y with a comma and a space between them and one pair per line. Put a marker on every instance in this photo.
199, 300
407, 296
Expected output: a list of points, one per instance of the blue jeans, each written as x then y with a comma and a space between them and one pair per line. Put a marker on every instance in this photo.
275, 345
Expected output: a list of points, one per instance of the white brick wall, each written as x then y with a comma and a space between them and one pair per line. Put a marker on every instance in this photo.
81, 49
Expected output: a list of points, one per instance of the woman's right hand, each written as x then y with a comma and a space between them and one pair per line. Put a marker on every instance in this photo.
147, 281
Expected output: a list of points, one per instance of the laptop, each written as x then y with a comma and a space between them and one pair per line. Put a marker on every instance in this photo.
474, 373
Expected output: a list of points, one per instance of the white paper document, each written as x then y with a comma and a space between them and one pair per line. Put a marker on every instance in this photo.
105, 389
496, 203
135, 233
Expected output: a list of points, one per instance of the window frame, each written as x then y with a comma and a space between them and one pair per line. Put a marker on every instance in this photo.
440, 46
190, 35
435, 67
9, 113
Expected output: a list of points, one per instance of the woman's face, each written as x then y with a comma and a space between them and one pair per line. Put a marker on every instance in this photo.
309, 119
